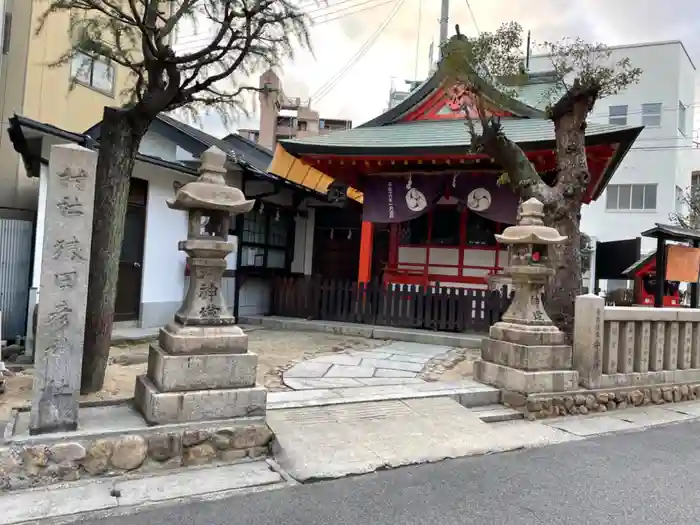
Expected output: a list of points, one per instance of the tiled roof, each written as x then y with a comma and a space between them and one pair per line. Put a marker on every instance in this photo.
437, 133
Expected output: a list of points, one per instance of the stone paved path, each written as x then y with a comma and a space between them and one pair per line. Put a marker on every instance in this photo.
397, 363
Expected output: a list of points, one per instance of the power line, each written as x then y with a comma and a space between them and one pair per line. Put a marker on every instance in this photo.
328, 86
320, 19
471, 13
346, 13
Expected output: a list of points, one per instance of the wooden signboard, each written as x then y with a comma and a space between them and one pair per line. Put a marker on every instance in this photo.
683, 264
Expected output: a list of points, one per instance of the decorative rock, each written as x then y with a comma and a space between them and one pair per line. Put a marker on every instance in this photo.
129, 452
579, 400
602, 408
622, 405
636, 398
199, 454
63, 471
530, 417
67, 452
685, 391
534, 405
583, 410
655, 395
163, 447
676, 394
602, 398
590, 402
257, 452
233, 455
696, 390
37, 456
194, 437
620, 397
667, 394
252, 436
222, 439
568, 402
98, 455
612, 405
573, 410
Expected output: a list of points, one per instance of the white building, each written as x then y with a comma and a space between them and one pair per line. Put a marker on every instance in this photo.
647, 187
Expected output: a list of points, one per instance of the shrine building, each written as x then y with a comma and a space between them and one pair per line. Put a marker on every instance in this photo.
413, 171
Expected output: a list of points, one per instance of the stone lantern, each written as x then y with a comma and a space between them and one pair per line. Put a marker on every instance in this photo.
201, 369
525, 352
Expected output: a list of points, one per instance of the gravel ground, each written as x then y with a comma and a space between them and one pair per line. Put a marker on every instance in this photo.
278, 350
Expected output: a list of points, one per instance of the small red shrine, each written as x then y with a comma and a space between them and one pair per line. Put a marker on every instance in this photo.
643, 273
412, 169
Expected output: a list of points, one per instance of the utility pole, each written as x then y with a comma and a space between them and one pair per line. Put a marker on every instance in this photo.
444, 20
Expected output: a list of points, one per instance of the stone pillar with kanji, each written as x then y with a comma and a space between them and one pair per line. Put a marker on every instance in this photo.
525, 352
200, 368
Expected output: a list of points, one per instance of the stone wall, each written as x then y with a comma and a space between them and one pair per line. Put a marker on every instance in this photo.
36, 462
541, 406
635, 346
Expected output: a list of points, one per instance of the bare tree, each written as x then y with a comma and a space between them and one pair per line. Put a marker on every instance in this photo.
584, 74
689, 216
236, 38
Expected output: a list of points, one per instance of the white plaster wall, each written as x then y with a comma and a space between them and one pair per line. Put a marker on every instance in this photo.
661, 155
155, 145
163, 275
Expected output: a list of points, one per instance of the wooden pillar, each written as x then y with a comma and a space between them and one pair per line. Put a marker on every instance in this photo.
694, 286
364, 274
660, 272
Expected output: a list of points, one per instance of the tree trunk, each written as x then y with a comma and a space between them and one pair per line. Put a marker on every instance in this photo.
569, 116
120, 138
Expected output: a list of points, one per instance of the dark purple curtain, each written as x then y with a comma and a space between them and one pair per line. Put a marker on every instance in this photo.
391, 199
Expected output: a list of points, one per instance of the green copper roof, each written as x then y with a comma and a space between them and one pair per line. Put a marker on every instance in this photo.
420, 136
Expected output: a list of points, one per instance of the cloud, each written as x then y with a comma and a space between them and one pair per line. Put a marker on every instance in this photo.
401, 50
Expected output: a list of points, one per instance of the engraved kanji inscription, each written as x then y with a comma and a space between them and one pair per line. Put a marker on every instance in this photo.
59, 345
73, 177
59, 318
65, 280
208, 291
210, 310
70, 207
68, 249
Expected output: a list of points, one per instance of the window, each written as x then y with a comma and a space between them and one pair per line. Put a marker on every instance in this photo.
682, 117
618, 115
6, 33
265, 238
679, 199
94, 72
651, 114
631, 197
302, 125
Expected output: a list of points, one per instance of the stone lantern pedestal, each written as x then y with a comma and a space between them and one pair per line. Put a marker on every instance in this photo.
525, 352
200, 368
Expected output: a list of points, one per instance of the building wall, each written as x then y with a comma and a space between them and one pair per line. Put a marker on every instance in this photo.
661, 155
33, 89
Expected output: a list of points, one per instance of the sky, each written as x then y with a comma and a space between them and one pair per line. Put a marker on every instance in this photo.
402, 48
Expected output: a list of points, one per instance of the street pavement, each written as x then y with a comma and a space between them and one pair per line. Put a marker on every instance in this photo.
638, 478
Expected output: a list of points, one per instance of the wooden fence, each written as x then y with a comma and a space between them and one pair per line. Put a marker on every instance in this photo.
407, 306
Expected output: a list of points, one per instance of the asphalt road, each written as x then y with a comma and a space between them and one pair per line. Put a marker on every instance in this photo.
637, 478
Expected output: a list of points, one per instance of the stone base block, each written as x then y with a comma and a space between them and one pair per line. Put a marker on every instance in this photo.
172, 373
527, 334
176, 339
159, 408
523, 381
535, 357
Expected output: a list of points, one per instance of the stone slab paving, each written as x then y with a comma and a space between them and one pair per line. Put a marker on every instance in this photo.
467, 392
396, 363
334, 441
